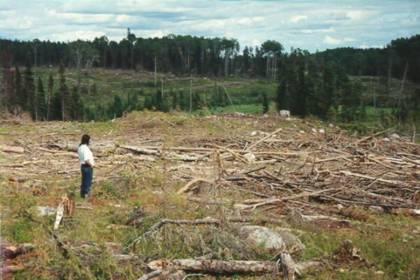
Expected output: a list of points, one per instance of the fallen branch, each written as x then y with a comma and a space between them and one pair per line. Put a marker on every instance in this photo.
263, 139
12, 149
278, 200
140, 150
205, 221
191, 183
219, 267
388, 182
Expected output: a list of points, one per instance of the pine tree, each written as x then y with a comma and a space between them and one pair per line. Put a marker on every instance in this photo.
183, 100
76, 109
29, 91
174, 101
50, 95
157, 101
299, 104
117, 107
19, 93
148, 103
265, 104
282, 98
197, 101
41, 104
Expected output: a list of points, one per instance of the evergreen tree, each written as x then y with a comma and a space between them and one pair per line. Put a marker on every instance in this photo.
265, 103
19, 93
299, 100
50, 95
41, 104
133, 101
76, 105
158, 101
282, 97
29, 91
64, 95
174, 100
117, 107
165, 105
148, 103
197, 101
183, 100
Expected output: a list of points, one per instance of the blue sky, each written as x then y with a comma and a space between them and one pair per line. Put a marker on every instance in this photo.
312, 25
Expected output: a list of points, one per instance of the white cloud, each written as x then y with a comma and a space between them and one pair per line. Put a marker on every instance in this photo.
322, 30
16, 23
77, 34
358, 14
336, 41
298, 18
331, 40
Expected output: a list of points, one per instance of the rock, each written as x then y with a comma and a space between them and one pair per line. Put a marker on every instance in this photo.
322, 131
314, 130
254, 133
262, 237
386, 139
284, 113
331, 125
250, 157
394, 136
301, 131
340, 206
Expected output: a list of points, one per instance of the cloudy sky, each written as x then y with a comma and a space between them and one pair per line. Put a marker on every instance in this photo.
307, 24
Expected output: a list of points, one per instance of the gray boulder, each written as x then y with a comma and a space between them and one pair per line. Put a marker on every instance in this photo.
272, 240
262, 237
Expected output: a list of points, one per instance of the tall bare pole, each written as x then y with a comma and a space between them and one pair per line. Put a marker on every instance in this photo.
190, 94
161, 88
155, 71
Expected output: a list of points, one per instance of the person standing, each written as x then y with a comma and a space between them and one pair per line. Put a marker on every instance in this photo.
86, 165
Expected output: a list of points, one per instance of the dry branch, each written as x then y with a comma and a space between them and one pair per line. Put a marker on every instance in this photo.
191, 183
388, 182
12, 149
263, 139
219, 267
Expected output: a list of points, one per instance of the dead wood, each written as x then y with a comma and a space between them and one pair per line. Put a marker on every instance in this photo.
12, 149
191, 183
263, 139
292, 197
388, 182
205, 221
364, 139
140, 150
220, 267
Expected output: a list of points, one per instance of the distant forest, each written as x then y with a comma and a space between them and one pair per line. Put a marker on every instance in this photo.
308, 83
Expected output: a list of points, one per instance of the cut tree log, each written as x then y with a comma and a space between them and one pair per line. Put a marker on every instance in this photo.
140, 150
12, 149
220, 267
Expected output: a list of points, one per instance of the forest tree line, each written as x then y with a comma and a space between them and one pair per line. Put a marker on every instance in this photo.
208, 56
308, 84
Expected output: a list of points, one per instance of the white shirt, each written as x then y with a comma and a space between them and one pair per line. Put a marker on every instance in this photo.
85, 155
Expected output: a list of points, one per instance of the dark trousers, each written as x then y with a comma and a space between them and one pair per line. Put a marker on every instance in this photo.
87, 174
